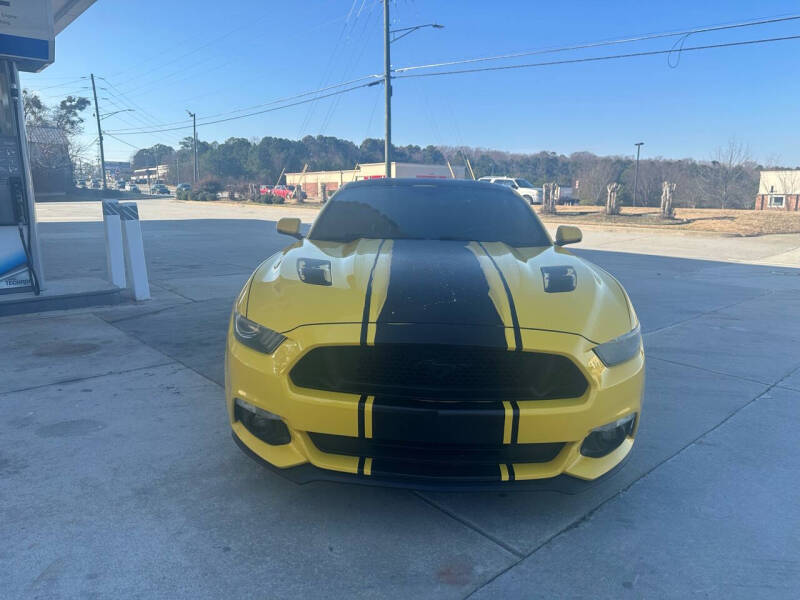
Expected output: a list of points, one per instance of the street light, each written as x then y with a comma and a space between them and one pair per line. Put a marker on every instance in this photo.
404, 31
116, 112
636, 172
387, 76
194, 135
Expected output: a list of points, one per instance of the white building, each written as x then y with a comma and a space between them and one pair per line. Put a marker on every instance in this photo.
779, 190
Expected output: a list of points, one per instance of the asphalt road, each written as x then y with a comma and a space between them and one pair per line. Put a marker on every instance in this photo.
118, 476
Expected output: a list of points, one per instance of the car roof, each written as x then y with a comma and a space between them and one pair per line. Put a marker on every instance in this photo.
421, 181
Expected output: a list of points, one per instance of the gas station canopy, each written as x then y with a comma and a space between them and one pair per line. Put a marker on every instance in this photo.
66, 11
28, 29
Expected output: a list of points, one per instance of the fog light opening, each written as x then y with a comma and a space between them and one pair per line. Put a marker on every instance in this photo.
602, 441
266, 426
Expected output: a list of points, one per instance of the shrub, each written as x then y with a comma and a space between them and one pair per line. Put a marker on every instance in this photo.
209, 185
203, 196
182, 194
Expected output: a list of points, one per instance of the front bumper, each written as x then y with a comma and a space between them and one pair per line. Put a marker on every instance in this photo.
308, 473
263, 381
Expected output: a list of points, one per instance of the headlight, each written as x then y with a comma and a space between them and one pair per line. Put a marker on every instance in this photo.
620, 349
256, 336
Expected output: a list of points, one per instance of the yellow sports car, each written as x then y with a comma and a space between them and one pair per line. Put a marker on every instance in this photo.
430, 334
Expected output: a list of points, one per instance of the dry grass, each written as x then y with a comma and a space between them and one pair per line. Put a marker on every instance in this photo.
730, 222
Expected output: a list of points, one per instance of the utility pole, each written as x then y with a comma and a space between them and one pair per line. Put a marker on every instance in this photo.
387, 80
194, 129
636, 172
99, 134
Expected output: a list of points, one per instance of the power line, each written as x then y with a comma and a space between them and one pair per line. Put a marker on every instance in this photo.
123, 141
132, 131
121, 95
213, 42
260, 112
350, 65
68, 83
273, 102
332, 56
602, 58
586, 45
703, 29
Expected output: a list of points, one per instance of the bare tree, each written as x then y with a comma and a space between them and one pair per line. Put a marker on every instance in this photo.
726, 175
594, 178
65, 121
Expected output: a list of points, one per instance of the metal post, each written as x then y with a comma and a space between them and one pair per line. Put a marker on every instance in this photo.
387, 80
99, 134
636, 172
194, 129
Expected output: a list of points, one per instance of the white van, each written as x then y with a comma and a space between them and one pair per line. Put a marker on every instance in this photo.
522, 186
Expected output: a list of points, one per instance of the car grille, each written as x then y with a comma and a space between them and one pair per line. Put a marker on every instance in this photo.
439, 372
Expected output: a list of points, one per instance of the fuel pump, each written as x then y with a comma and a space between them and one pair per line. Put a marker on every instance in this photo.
17, 272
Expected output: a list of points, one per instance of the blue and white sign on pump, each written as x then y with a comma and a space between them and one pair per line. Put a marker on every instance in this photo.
26, 33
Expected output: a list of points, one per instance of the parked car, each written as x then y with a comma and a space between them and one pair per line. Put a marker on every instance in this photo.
121, 185
134, 189
265, 190
283, 191
522, 186
95, 185
159, 189
81, 183
529, 359
183, 187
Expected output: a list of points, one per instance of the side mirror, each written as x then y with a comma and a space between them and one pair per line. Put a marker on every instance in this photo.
567, 234
290, 226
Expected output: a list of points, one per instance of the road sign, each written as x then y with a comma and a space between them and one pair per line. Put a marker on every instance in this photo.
26, 33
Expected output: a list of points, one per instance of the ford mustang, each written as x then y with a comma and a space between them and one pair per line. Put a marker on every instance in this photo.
431, 334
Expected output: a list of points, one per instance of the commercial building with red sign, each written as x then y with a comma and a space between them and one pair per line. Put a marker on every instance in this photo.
313, 182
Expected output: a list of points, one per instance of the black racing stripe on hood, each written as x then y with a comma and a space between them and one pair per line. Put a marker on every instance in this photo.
442, 283
368, 296
437, 294
512, 307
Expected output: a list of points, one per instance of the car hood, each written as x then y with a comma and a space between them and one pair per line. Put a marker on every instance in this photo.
433, 284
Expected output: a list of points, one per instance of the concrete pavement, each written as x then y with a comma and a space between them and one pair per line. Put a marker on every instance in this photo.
118, 476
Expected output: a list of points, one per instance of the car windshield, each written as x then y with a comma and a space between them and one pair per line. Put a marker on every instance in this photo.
429, 212
524, 183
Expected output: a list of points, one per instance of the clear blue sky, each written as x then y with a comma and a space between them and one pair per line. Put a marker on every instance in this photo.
213, 57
